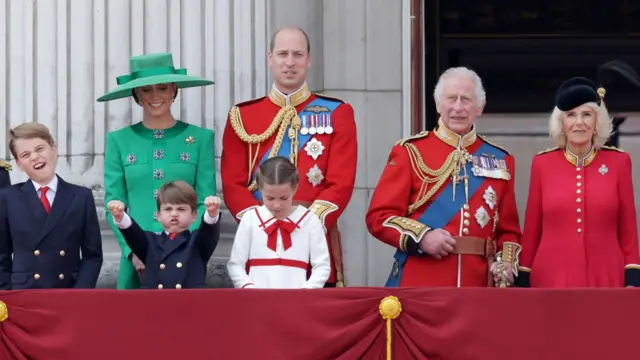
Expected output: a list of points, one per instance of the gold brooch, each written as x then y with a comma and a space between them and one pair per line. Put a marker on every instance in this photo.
190, 140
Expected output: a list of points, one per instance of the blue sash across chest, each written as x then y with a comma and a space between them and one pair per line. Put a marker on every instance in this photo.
285, 148
444, 207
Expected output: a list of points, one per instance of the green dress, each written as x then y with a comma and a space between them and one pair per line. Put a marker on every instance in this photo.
139, 160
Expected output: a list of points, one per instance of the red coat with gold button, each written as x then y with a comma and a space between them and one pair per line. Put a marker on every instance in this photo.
326, 162
580, 225
397, 217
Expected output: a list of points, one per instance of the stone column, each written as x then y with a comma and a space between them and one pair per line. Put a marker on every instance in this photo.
363, 65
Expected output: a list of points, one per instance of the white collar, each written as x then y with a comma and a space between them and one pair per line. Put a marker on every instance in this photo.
295, 217
52, 185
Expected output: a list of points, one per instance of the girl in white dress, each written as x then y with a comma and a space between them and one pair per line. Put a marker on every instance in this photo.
279, 245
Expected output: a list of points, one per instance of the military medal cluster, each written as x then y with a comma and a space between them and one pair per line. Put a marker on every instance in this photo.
488, 166
312, 124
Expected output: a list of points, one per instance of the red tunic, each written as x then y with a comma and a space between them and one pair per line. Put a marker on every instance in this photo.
400, 186
580, 225
336, 181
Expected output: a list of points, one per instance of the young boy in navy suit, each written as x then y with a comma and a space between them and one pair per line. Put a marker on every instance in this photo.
49, 225
175, 258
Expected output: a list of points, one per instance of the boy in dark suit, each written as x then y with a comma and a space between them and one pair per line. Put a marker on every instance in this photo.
175, 258
49, 225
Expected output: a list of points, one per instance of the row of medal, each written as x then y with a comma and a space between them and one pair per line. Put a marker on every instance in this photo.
316, 124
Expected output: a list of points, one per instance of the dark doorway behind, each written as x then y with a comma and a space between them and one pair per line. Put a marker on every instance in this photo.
524, 49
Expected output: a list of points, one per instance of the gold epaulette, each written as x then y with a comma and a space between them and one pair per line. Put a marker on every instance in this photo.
612, 148
330, 98
548, 150
5, 165
493, 144
420, 135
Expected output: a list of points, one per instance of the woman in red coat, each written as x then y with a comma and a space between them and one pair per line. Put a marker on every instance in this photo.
580, 224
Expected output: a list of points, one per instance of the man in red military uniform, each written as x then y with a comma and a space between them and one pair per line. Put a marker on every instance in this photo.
317, 133
446, 198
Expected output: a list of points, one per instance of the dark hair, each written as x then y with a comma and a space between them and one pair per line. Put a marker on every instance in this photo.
135, 96
177, 192
277, 171
272, 43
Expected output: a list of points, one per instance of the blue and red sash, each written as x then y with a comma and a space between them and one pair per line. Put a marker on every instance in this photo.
285, 148
443, 207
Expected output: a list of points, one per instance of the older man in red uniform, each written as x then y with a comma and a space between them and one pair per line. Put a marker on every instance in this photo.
446, 198
317, 133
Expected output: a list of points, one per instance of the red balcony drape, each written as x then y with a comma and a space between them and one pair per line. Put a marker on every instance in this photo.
336, 324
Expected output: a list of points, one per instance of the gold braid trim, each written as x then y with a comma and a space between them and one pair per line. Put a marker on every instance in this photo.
511, 254
285, 117
236, 124
407, 226
430, 176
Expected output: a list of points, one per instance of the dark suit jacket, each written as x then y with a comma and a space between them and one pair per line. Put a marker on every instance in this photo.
60, 250
5, 180
180, 263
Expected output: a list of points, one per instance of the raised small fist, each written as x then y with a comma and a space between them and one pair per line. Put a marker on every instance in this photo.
212, 203
116, 208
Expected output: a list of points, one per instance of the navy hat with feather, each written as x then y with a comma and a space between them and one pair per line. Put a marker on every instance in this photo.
578, 91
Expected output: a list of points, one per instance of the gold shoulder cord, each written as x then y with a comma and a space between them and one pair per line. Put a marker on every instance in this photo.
285, 117
430, 176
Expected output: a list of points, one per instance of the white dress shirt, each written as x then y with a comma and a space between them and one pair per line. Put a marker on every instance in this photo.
51, 193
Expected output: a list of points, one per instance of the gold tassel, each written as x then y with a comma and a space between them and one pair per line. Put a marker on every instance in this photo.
293, 136
390, 308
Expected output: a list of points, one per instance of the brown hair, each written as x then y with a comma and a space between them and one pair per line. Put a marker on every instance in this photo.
177, 192
277, 171
30, 130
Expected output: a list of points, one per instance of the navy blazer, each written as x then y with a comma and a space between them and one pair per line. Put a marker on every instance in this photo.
180, 263
5, 179
60, 250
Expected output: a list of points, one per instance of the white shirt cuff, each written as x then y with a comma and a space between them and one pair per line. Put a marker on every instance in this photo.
209, 220
125, 223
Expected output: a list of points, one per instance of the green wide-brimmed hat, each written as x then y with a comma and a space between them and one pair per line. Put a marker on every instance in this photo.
151, 69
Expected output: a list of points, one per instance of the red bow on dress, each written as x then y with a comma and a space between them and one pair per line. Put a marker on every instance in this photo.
286, 228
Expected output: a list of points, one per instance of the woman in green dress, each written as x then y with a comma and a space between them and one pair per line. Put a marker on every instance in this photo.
142, 157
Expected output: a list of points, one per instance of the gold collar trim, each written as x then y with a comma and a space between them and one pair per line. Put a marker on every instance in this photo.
575, 160
453, 139
294, 99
